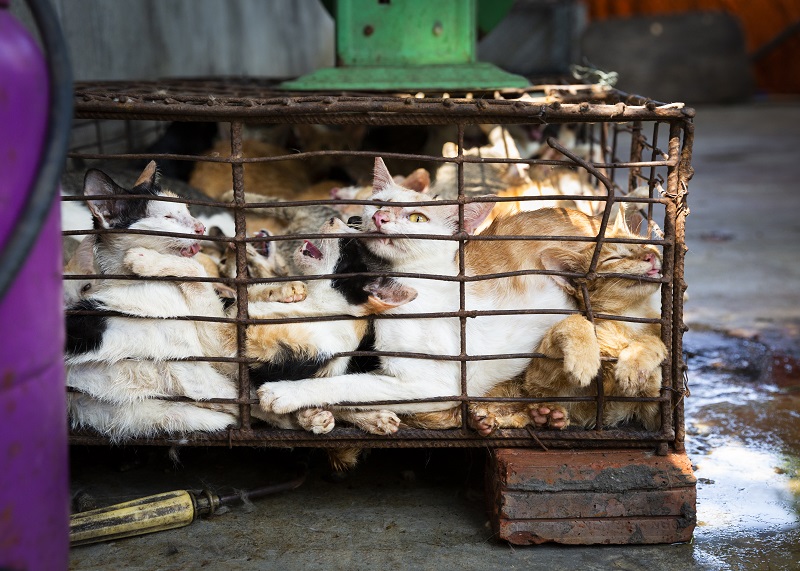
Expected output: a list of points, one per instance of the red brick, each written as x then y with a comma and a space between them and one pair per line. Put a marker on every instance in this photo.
591, 496
591, 470
618, 531
559, 505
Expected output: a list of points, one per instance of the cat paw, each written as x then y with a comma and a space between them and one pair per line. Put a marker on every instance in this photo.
638, 369
583, 370
382, 422
287, 292
549, 416
483, 421
279, 397
316, 420
141, 261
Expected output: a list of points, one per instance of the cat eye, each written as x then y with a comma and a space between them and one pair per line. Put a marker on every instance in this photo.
417, 217
86, 287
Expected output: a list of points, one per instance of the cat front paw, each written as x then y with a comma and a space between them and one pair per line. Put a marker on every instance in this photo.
581, 349
584, 368
316, 420
149, 263
286, 292
141, 261
548, 416
279, 397
638, 369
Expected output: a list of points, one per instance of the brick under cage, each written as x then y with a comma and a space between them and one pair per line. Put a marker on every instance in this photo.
633, 143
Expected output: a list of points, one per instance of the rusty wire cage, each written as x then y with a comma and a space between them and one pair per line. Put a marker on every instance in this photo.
633, 143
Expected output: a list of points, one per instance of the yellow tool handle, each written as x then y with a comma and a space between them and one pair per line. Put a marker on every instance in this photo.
137, 517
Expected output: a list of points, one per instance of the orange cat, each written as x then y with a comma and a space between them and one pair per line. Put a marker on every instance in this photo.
576, 346
285, 179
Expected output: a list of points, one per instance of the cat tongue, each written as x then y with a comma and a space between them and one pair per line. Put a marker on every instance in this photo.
311, 250
191, 250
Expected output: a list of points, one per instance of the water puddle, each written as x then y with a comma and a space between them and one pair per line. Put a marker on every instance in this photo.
743, 437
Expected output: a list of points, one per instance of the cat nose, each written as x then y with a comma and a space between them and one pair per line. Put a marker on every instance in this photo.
199, 228
380, 218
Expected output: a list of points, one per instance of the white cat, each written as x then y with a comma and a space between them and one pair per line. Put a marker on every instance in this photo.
406, 378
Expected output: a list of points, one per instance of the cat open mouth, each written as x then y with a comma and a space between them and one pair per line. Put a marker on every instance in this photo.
190, 251
311, 250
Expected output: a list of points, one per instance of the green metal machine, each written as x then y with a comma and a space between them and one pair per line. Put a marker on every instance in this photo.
410, 45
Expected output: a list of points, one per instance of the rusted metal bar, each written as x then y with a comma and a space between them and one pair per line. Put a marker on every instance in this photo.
241, 272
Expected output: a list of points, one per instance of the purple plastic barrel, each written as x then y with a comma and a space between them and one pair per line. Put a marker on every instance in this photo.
34, 478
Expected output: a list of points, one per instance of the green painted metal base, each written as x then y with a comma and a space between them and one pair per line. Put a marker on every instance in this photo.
470, 76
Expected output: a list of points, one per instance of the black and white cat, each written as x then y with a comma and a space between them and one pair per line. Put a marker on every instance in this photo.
405, 378
119, 363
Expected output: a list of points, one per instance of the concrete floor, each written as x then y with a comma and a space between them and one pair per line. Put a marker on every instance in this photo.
424, 509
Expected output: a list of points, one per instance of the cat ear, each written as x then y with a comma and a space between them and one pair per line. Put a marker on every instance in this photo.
99, 185
475, 213
386, 293
149, 175
620, 222
381, 177
419, 180
561, 260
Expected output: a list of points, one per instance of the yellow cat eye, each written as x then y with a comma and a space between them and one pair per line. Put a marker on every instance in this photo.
417, 217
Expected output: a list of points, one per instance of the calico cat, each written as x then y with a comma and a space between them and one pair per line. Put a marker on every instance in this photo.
118, 363
625, 286
405, 378
310, 347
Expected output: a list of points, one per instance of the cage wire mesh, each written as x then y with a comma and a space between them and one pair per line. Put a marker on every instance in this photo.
587, 146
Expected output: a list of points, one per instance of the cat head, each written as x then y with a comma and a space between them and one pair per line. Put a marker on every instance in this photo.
263, 258
365, 295
112, 211
402, 220
627, 264
419, 180
82, 262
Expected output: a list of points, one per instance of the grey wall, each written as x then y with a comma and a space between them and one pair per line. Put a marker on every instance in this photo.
149, 39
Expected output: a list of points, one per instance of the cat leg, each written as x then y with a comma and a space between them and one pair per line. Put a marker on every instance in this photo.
316, 420
285, 292
546, 415
288, 396
574, 339
149, 263
638, 367
436, 420
200, 381
383, 422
